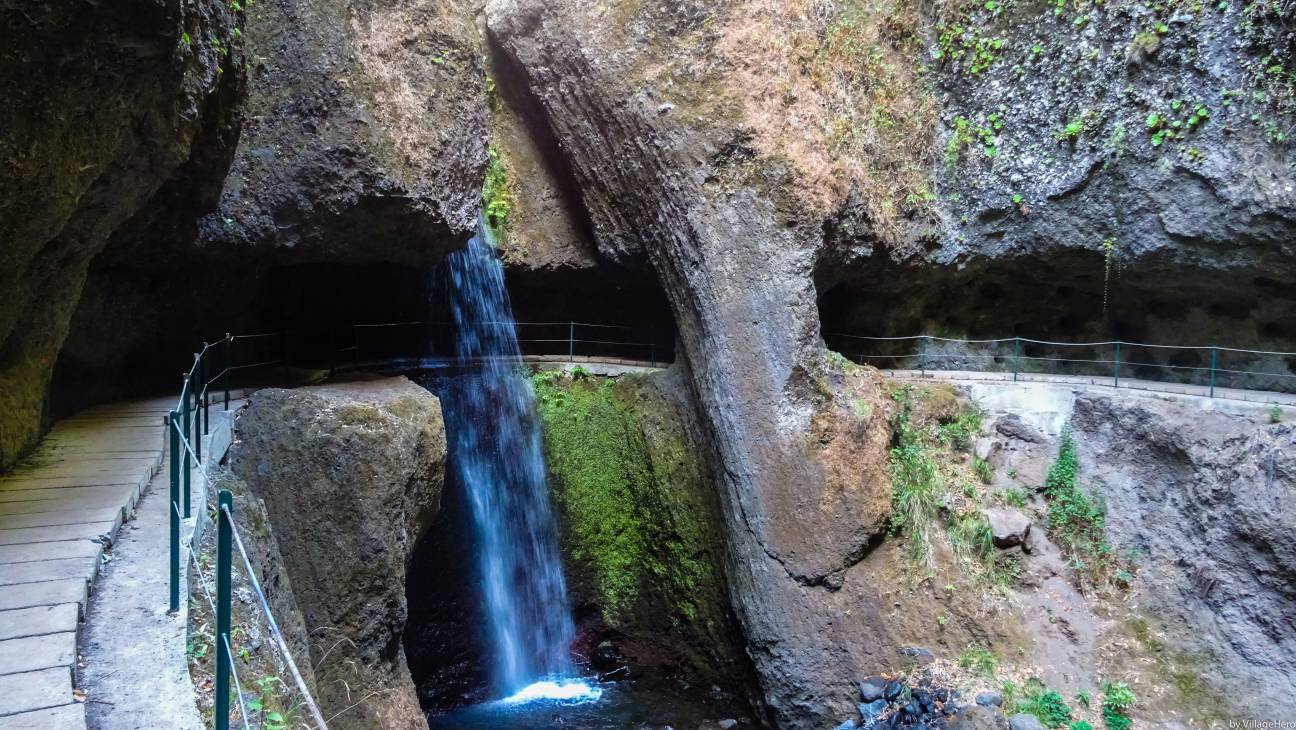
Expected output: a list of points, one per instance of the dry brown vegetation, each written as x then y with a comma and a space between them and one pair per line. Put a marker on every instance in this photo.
836, 89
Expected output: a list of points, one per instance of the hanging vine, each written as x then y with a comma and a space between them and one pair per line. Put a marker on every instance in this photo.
1109, 245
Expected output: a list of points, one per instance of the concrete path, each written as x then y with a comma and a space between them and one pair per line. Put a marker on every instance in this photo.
60, 511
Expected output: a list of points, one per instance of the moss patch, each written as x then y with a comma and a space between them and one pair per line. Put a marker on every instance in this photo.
640, 521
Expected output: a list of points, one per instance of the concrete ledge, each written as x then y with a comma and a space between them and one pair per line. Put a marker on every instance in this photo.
38, 652
48, 593
38, 621
37, 690
66, 717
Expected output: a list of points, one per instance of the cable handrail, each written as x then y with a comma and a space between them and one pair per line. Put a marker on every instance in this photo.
182, 446
274, 626
1104, 343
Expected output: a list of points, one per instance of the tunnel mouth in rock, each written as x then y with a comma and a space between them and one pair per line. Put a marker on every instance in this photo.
1063, 314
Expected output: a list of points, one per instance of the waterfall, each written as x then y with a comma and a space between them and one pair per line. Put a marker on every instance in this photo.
496, 449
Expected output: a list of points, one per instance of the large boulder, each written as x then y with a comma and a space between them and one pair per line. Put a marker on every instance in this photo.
350, 474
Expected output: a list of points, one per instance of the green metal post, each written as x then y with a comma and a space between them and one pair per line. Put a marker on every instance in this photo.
206, 400
223, 538
1117, 372
922, 355
186, 463
571, 341
229, 343
195, 414
1214, 361
173, 439
1016, 357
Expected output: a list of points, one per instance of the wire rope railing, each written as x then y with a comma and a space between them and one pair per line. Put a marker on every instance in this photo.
1210, 367
212, 374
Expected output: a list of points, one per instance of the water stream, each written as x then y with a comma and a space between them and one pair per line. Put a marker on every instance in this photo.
496, 451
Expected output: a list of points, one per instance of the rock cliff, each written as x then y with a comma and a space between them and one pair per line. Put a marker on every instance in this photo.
104, 105
350, 475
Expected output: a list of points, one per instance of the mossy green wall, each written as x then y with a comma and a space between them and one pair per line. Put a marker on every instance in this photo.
641, 530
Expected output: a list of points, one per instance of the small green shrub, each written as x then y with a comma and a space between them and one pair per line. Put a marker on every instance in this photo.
1080, 725
915, 482
959, 433
971, 535
1275, 413
980, 660
1050, 708
983, 470
1118, 698
1063, 471
1014, 496
497, 195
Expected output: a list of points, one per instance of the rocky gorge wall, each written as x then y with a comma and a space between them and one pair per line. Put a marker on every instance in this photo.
105, 105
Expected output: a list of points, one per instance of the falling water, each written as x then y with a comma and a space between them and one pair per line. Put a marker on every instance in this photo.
497, 453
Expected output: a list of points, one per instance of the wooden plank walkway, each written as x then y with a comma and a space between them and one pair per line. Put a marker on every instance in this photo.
60, 510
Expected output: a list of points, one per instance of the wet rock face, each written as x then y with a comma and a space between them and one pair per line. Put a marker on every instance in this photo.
104, 104
350, 475
1209, 499
365, 137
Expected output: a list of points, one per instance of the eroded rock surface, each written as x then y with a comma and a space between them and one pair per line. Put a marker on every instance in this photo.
351, 474
104, 104
1209, 499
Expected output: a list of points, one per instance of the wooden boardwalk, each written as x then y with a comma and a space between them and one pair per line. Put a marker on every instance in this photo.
60, 510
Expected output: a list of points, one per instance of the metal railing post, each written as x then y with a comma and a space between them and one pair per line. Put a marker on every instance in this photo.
652, 353
206, 399
173, 452
922, 354
1214, 360
571, 342
229, 344
195, 414
355, 346
223, 571
1116, 374
1016, 357
185, 456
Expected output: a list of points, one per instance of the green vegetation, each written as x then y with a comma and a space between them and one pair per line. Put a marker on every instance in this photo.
983, 470
971, 536
1118, 698
1079, 725
921, 489
1177, 123
966, 48
980, 660
958, 434
1275, 413
1271, 66
1049, 707
638, 516
1014, 497
916, 487
497, 193
966, 133
1076, 520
